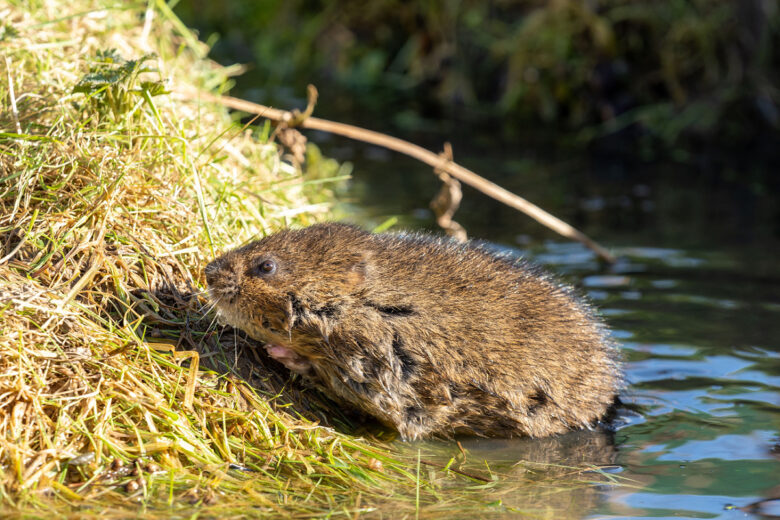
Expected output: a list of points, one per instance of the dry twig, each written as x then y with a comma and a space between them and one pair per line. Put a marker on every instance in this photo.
393, 143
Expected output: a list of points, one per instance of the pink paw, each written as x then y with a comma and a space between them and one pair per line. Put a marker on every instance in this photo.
289, 358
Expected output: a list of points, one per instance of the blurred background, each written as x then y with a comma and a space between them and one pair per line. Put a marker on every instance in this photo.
657, 117
653, 126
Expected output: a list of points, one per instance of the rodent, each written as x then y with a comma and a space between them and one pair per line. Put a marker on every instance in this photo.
430, 336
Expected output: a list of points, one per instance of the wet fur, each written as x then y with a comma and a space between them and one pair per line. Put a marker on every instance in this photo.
427, 335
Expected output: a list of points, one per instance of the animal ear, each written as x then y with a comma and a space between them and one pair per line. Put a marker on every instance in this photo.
359, 270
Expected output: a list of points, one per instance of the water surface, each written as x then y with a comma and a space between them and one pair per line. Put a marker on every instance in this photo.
694, 304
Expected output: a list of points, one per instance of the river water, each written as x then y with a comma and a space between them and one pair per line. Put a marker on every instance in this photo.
694, 303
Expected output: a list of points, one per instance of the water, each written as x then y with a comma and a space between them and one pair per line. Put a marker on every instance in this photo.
703, 366
695, 305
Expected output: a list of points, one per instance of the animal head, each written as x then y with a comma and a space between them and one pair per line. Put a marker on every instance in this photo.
270, 279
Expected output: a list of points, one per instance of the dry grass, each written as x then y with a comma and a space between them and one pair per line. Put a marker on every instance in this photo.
112, 199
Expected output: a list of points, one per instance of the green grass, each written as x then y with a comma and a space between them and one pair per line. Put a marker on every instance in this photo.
119, 395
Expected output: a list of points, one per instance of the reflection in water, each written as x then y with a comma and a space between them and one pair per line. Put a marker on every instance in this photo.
548, 478
578, 449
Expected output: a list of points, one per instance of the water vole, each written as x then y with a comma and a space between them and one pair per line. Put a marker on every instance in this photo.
427, 335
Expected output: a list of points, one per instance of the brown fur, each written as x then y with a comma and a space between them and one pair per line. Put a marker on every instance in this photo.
427, 335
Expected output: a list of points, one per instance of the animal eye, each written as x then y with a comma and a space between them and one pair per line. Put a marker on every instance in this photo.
266, 267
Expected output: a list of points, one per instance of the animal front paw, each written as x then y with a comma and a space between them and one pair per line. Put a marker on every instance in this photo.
289, 358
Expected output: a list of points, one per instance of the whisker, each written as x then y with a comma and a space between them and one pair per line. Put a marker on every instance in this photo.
211, 325
207, 307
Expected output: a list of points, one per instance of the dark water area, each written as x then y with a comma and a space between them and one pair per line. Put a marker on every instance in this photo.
694, 304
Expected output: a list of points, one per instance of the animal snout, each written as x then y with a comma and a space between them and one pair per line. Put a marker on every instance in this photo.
212, 272
222, 279
217, 273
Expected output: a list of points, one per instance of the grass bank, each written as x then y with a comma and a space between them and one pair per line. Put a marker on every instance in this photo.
119, 395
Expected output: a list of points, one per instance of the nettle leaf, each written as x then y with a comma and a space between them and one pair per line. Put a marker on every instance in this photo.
109, 56
147, 57
129, 67
83, 88
154, 88
112, 80
8, 31
97, 80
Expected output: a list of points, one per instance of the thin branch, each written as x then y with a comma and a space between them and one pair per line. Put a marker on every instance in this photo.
412, 150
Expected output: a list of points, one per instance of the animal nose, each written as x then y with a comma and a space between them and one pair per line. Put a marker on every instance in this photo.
211, 271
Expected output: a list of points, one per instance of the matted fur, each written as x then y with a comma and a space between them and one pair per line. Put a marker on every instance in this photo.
429, 336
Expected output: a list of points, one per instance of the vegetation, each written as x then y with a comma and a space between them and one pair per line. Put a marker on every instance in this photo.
675, 73
116, 187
